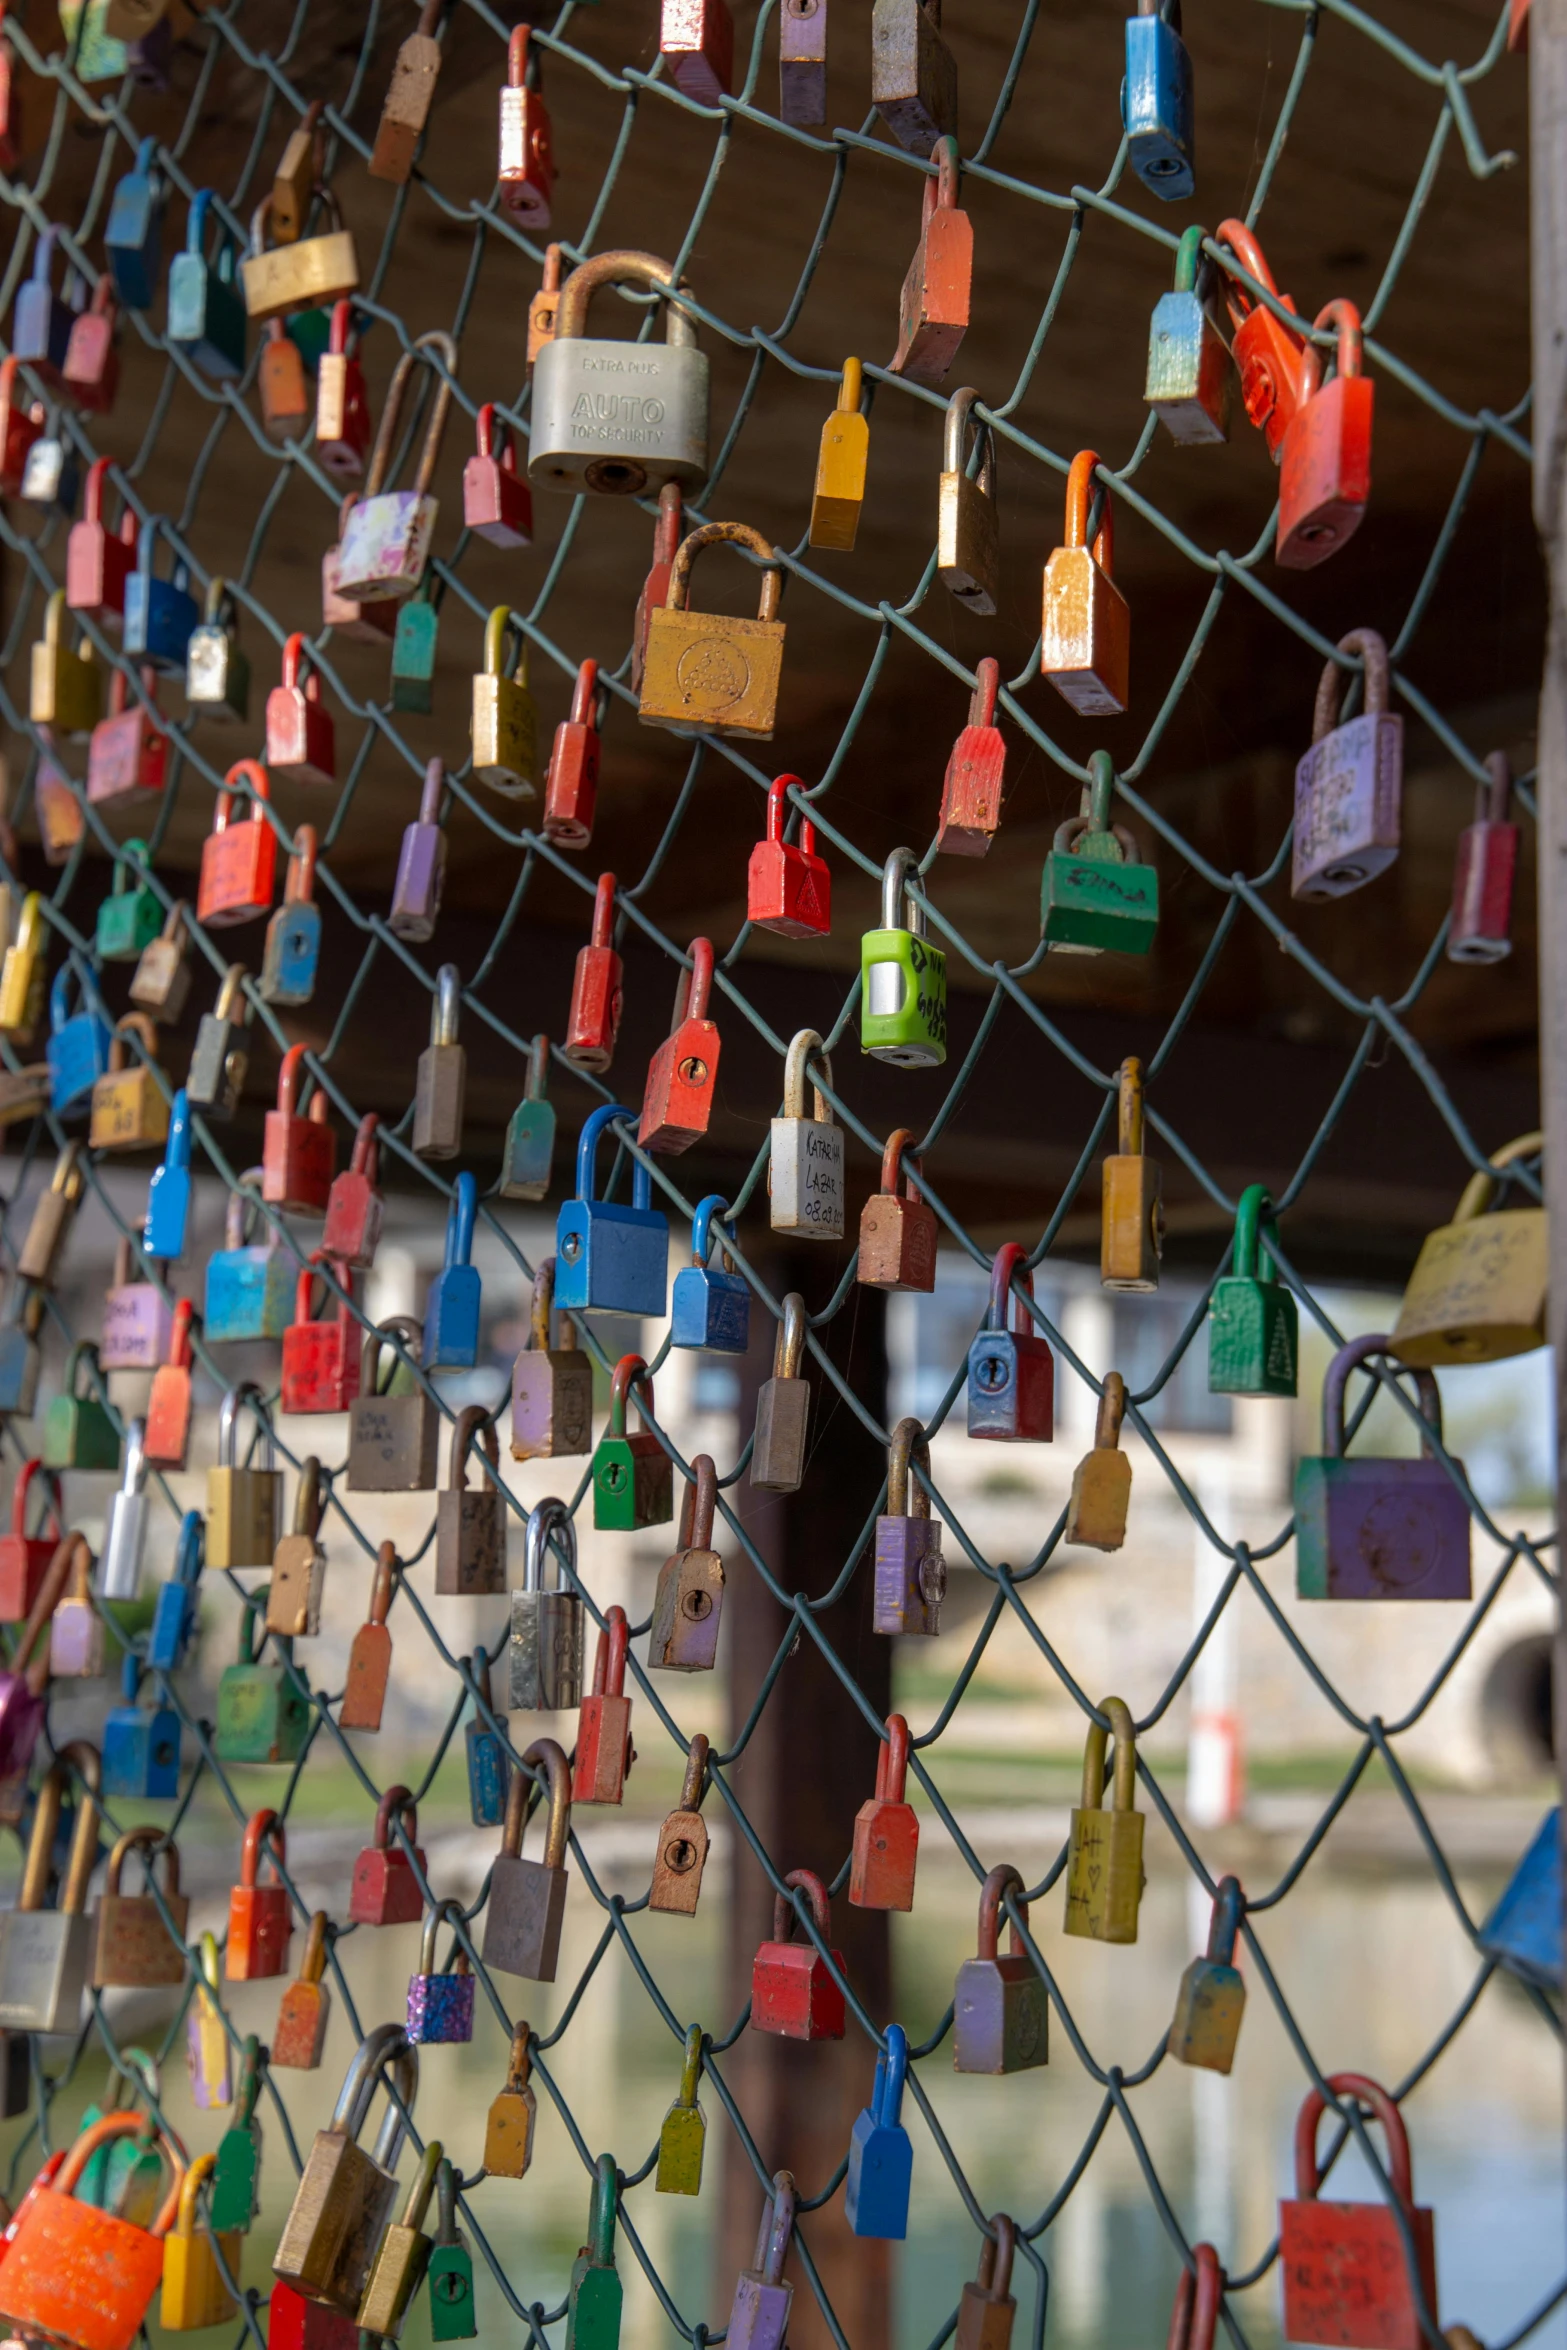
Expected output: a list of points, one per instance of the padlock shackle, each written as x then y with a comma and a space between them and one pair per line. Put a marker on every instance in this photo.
100, 2133
955, 435
1189, 259
313, 1965
1243, 243
37, 1867
1493, 798
22, 1493
629, 1372
297, 650
1481, 1187
49, 1593
85, 1759
691, 2069
908, 1446
391, 415
1229, 1905
1079, 498
519, 2061
789, 1345
702, 1226
309, 1500
698, 1504
1001, 1881
134, 1476
1129, 1108
1255, 1204
496, 628
1111, 1413
609, 1661
1373, 653
1125, 1782
899, 1141
621, 267
460, 1214
422, 2185
410, 1336
544, 1755
1196, 2309
299, 883
542, 1305
1349, 1358
383, 1583
694, 1785
1308, 2178
233, 1005
385, 2044
491, 426
261, 1825
892, 1761
802, 1044
717, 534
601, 2213
786, 1917
987, 685
892, 2066
596, 1124
547, 1518
898, 910
189, 1554
432, 1926
148, 1840
941, 187
473, 1422
1342, 318
366, 1159
694, 985
446, 1005
584, 694
778, 816
1006, 1310
995, 2257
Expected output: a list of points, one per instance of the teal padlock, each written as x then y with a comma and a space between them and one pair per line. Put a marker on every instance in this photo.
529, 1156
206, 311
310, 332
1095, 898
131, 916
78, 1432
903, 978
1253, 1328
450, 2273
263, 1717
593, 2311
633, 1476
413, 651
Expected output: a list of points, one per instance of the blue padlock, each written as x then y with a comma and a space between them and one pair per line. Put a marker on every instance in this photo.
1524, 1930
711, 1310
451, 1319
250, 1287
881, 2159
293, 949
79, 1042
133, 240
141, 1749
168, 1194
610, 1260
174, 1610
161, 615
1156, 100
206, 310
42, 323
489, 1765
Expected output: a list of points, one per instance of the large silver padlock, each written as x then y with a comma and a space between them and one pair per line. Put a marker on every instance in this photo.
44, 1953
805, 1169
545, 1655
125, 1529
1349, 786
622, 418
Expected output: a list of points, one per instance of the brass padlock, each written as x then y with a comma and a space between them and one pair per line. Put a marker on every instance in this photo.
783, 1408
1102, 1480
66, 687
402, 2256
1131, 1232
707, 672
689, 1595
51, 1219
839, 496
24, 970
1477, 1293
442, 1075
242, 1503
130, 1111
306, 274
683, 1842
505, 723
299, 1562
1104, 1870
162, 979
968, 525
341, 2204
391, 1430
508, 2132
194, 2292
470, 1522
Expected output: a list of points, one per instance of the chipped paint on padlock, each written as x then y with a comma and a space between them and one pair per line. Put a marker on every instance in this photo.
551, 1386
1086, 634
1000, 2016
1253, 1325
886, 1830
714, 672
1190, 380
1478, 1290
527, 1904
898, 1234
637, 434
1011, 1370
976, 770
1325, 464
1379, 1529
910, 1571
933, 307
688, 1597
683, 1841
1345, 2271
1104, 1870
1212, 1997
604, 1752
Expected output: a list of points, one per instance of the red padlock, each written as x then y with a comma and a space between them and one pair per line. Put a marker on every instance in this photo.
793, 1990
91, 374
169, 1404
301, 739
259, 1921
1480, 927
594, 1020
21, 423
886, 1831
933, 308
128, 752
342, 401
787, 885
976, 772
293, 2323
96, 565
604, 1751
1325, 472
238, 861
298, 1155
668, 532
497, 503
320, 1359
1346, 2280
24, 1557
352, 1230
1518, 24
372, 621
527, 168
385, 1891
1271, 356
696, 39
571, 787
677, 1100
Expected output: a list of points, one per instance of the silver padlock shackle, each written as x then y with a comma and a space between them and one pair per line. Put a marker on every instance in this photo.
960, 416
228, 1413
386, 2044
895, 899
391, 416
789, 1345
622, 267
802, 1044
134, 1479
432, 1927
548, 1517
447, 1006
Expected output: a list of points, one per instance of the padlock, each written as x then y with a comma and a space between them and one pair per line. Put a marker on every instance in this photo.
1131, 1233
236, 2181
571, 786
301, 744
886, 1830
97, 565
987, 2308
696, 41
351, 1233
238, 860
79, 1043
344, 2196
440, 2006
759, 2314
421, 864
451, 1319
24, 1682
1270, 355
370, 1657
683, 1842
128, 754
910, 1571
392, 1428
528, 1155
78, 1432
1479, 928
708, 672
217, 670
1253, 1327
609, 1259
141, 1746
1102, 1480
259, 1923
21, 423
65, 691
1095, 897
220, 1056
903, 978
415, 643
22, 972
243, 1503
1189, 380
470, 1523
320, 1359
1011, 1371
174, 1609
1104, 1870
968, 530
709, 1310
525, 170
80, 2275
168, 1194
298, 1155
1477, 1293
293, 948
385, 1891
132, 1946
303, 272
881, 2158
795, 1991
805, 1165
689, 1595
127, 2175
264, 1710
51, 476
788, 886
305, 2007
76, 1627
440, 1079
677, 1101
1379, 1529
296, 2324
897, 1236
206, 317
1000, 2018
914, 79
604, 1753
1349, 785
41, 324
287, 407
125, 1528
625, 443
683, 2138
971, 788
206, 2035
367, 620
250, 1288
129, 1111
668, 532
783, 1407
133, 233
1524, 1929
633, 1477
401, 2257
1197, 2302
24, 1557
544, 1658
594, 2300
58, 807
299, 1562
593, 1022
1212, 1997
19, 1356
386, 538
513, 2117
1346, 2273
522, 1919
484, 1738
843, 458
1156, 101
161, 615
52, 1219
1325, 464
342, 440
933, 308
497, 503
410, 94
1087, 630
44, 1952
132, 914
504, 722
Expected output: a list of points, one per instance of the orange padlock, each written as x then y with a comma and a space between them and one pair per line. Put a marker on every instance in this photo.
1325, 472
76, 2274
238, 861
1270, 356
933, 310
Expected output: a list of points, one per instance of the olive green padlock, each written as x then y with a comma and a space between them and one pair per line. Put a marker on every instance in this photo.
1253, 1328
903, 978
1104, 1870
1095, 897
683, 2137
78, 1432
263, 1715
131, 916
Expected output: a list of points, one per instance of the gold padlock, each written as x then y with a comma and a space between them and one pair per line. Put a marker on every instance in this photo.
52, 1218
1131, 1231
129, 1112
299, 168
1086, 640
504, 723
1104, 1870
708, 673
1102, 1480
840, 468
311, 272
65, 687
1477, 1293
22, 974
968, 523
194, 2294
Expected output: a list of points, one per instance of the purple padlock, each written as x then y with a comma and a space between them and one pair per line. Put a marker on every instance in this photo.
911, 1574
421, 864
138, 1320
440, 2007
1378, 1529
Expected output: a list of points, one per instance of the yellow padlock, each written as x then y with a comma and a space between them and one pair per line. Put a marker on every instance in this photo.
194, 2294
1104, 1870
22, 973
1477, 1293
706, 672
313, 272
505, 754
840, 468
66, 687
1102, 1480
129, 1112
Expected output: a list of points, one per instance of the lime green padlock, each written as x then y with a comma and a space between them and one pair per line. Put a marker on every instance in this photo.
903, 978
1253, 1327
131, 917
1095, 898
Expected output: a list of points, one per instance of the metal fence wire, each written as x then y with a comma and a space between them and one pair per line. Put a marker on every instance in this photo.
496, 994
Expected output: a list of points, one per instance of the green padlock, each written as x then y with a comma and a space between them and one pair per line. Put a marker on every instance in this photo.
1253, 1330
413, 650
529, 1155
310, 331
903, 978
683, 2137
1095, 898
106, 2173
263, 1717
633, 1476
593, 2313
236, 2182
131, 917
450, 2272
78, 1432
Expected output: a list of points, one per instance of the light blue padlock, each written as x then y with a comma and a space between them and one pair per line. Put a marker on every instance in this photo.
174, 1610
881, 2159
168, 1194
610, 1260
1156, 100
206, 312
133, 240
141, 1744
451, 1319
1524, 1930
79, 1042
709, 1310
161, 615
250, 1285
